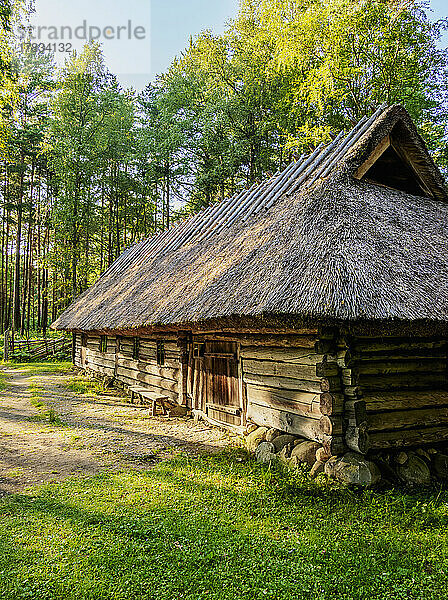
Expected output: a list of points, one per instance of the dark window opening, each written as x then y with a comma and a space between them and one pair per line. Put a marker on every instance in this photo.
393, 171
160, 353
136, 348
198, 350
103, 343
83, 340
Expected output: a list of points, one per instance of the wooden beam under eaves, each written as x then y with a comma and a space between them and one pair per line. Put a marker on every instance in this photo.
408, 159
379, 150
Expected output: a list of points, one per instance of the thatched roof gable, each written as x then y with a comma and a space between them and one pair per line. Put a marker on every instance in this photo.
333, 248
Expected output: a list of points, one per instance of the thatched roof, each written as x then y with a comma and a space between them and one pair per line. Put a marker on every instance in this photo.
319, 241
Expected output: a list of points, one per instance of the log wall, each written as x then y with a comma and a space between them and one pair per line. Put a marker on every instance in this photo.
145, 371
396, 391
282, 380
364, 393
118, 362
77, 349
101, 362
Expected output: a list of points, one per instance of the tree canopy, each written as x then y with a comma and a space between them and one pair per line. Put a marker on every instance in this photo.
89, 168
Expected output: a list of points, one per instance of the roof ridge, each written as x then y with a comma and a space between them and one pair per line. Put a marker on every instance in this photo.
298, 174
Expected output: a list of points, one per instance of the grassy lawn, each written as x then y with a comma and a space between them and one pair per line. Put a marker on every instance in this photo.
38, 368
221, 528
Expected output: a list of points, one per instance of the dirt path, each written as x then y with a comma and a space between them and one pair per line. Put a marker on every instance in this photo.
89, 433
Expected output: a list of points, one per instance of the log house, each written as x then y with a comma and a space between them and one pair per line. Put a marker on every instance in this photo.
315, 303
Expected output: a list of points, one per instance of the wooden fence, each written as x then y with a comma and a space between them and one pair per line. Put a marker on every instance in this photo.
37, 348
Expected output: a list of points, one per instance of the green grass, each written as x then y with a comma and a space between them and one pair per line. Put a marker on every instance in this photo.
84, 385
39, 368
45, 414
221, 528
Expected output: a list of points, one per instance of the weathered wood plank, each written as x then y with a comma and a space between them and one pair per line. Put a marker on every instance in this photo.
408, 381
396, 367
130, 381
151, 369
285, 421
160, 382
101, 369
231, 410
222, 417
408, 437
247, 340
274, 369
380, 345
404, 419
303, 356
99, 360
309, 404
404, 400
282, 382
267, 393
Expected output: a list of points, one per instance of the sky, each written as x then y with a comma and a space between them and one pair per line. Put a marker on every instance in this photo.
152, 32
140, 37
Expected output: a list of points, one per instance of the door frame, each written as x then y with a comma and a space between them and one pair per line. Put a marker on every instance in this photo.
199, 375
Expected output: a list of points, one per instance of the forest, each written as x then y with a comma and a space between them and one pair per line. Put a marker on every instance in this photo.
88, 168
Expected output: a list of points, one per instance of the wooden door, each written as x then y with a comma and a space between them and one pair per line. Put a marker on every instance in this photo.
214, 384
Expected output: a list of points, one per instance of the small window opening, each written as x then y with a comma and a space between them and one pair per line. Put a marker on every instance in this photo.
103, 343
83, 340
160, 353
198, 350
136, 348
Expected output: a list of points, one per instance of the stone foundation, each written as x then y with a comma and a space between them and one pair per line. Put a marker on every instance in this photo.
410, 467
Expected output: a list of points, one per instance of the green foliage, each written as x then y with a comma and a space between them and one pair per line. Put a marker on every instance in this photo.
344, 58
90, 168
47, 416
221, 528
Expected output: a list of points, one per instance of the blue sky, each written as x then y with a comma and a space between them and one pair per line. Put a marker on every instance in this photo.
167, 24
163, 29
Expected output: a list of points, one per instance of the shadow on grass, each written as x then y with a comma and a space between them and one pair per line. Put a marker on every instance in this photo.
222, 527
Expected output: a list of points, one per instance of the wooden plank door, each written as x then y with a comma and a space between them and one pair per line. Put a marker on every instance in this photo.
213, 383
223, 399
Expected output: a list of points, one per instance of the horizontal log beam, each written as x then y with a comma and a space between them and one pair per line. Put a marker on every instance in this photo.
137, 376
151, 369
282, 382
406, 419
408, 437
404, 400
308, 408
289, 422
275, 369
302, 356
